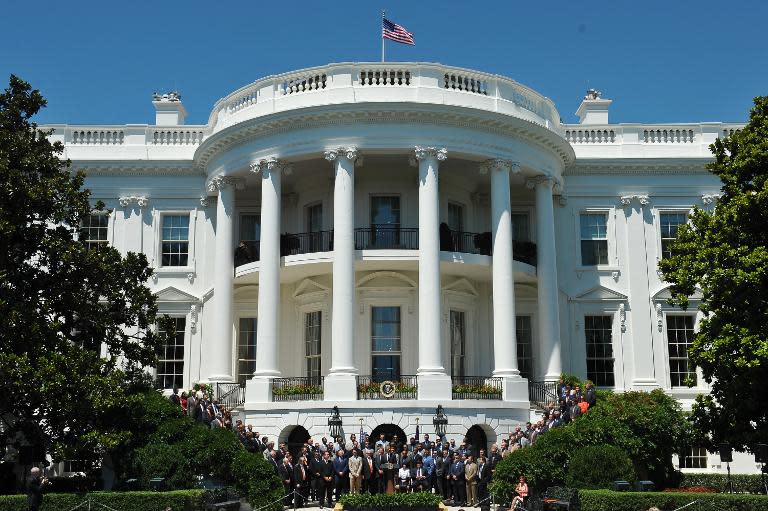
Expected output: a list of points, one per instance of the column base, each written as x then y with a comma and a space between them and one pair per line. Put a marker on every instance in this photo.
514, 389
340, 387
258, 390
220, 378
434, 387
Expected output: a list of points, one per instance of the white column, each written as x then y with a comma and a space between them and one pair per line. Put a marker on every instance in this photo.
504, 335
341, 382
433, 381
219, 350
546, 271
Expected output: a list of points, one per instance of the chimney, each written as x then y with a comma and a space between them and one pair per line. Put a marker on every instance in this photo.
593, 108
168, 109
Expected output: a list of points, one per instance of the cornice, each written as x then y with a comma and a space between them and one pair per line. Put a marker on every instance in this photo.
635, 166
371, 114
137, 168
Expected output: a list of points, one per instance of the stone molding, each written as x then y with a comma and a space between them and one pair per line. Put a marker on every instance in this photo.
140, 201
218, 183
626, 200
424, 152
499, 164
268, 165
351, 153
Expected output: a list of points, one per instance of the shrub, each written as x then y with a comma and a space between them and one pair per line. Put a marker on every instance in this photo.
184, 500
742, 483
255, 479
605, 500
598, 466
384, 501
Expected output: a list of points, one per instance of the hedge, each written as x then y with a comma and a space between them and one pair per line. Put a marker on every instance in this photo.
384, 501
606, 500
181, 500
742, 483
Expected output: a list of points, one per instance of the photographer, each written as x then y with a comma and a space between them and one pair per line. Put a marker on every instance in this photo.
35, 485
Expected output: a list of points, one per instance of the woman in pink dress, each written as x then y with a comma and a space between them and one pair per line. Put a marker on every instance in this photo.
522, 493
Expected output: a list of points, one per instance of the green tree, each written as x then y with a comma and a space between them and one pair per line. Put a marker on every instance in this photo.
724, 253
61, 301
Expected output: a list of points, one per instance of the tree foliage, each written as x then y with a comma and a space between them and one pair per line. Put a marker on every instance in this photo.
648, 426
598, 466
60, 301
724, 253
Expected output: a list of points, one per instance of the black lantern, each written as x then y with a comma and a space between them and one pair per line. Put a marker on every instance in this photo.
334, 423
440, 421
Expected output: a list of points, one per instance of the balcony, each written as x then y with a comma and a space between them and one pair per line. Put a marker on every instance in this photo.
403, 387
298, 388
481, 243
380, 237
476, 387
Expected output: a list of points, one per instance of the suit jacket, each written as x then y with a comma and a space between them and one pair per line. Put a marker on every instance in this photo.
355, 464
429, 464
379, 461
440, 466
326, 469
300, 475
424, 473
34, 491
484, 473
457, 469
340, 465
275, 465
316, 467
286, 473
470, 472
369, 469
591, 397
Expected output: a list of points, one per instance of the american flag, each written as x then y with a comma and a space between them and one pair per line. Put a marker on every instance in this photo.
396, 32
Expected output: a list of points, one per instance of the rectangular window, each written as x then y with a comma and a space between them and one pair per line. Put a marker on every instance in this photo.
679, 338
385, 222
312, 340
458, 343
524, 346
170, 363
175, 242
94, 230
314, 228
246, 348
694, 457
668, 224
599, 337
250, 234
456, 216
521, 227
594, 238
385, 343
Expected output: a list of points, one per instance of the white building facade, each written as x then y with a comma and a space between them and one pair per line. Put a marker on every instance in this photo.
390, 237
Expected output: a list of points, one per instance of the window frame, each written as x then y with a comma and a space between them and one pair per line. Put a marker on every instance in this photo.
319, 355
399, 351
453, 356
695, 455
657, 224
109, 214
159, 215
238, 343
456, 204
532, 357
614, 358
185, 346
608, 245
668, 358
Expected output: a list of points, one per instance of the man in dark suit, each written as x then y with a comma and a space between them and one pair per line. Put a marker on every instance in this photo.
378, 462
483, 478
419, 477
301, 481
286, 476
35, 485
438, 479
272, 460
458, 481
316, 469
341, 471
327, 478
370, 483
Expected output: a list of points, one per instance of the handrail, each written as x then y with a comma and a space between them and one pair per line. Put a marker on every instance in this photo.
405, 387
297, 388
230, 394
381, 237
476, 387
542, 393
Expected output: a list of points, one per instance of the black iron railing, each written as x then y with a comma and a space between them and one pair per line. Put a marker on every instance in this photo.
230, 395
297, 388
481, 243
542, 393
379, 237
246, 252
403, 387
476, 387
306, 242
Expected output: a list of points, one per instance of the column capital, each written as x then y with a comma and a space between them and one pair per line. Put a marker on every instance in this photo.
268, 165
626, 200
499, 164
351, 153
219, 183
710, 198
544, 180
423, 152
140, 201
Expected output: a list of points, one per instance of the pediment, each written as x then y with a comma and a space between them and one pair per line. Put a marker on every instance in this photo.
173, 294
385, 279
665, 294
463, 286
601, 293
309, 286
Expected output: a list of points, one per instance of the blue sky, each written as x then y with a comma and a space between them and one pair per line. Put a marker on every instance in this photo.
660, 61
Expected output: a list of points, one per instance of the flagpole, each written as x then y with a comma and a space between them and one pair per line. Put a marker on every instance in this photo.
383, 15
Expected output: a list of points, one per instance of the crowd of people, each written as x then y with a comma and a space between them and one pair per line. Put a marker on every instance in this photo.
321, 472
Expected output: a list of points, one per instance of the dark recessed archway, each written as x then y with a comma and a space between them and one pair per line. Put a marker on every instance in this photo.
477, 438
296, 439
389, 430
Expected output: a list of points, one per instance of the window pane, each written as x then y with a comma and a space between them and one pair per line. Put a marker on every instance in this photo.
456, 216
385, 342
385, 210
599, 344
679, 338
312, 342
315, 218
668, 225
458, 332
524, 346
94, 230
246, 348
175, 242
250, 228
170, 363
693, 457
520, 227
